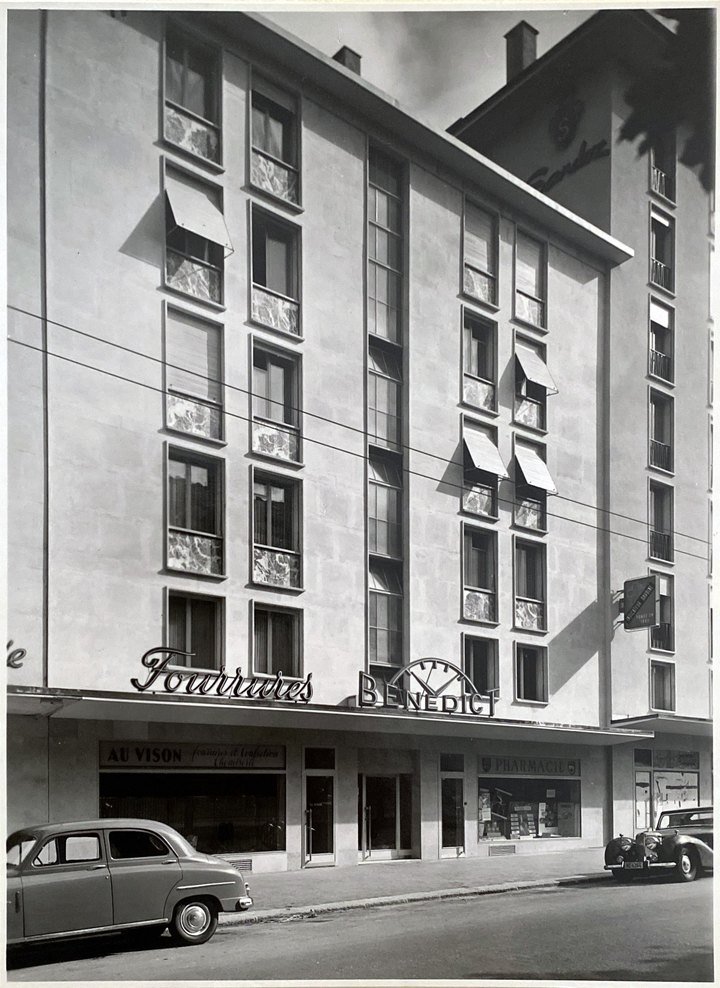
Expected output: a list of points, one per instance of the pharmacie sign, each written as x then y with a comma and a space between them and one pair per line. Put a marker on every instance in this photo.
162, 675
427, 686
512, 765
181, 755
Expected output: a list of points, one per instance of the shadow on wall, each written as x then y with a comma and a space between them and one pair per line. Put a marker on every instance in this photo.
146, 240
452, 478
576, 644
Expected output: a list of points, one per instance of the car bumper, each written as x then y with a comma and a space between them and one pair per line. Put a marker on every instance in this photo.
640, 866
237, 903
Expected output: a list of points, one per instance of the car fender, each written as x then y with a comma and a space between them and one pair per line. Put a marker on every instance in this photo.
204, 883
704, 853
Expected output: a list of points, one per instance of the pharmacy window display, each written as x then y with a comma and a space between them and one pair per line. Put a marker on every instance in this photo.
518, 809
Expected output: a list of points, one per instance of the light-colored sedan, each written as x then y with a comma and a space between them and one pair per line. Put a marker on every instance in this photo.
100, 876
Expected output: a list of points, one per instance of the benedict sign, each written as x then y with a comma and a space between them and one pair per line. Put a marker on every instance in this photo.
427, 686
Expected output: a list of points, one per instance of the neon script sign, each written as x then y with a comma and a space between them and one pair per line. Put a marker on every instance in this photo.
586, 155
427, 685
162, 676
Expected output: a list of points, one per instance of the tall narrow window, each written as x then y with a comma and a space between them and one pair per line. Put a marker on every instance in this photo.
276, 515
384, 506
530, 604
530, 280
193, 375
384, 390
662, 686
662, 166
661, 431
479, 563
533, 483
194, 626
275, 266
277, 641
479, 373
662, 250
483, 467
274, 159
385, 247
194, 514
531, 673
661, 341
661, 521
385, 613
533, 383
275, 404
481, 663
192, 97
662, 636
480, 250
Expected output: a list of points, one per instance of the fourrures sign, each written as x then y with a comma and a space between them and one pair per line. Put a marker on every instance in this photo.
427, 686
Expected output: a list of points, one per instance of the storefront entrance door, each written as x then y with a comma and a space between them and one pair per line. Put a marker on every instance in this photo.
452, 814
319, 822
379, 816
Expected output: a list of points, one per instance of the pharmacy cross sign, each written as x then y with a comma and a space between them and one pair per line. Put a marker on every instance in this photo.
641, 603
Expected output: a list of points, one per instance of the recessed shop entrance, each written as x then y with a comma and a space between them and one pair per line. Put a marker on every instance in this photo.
319, 797
384, 816
452, 805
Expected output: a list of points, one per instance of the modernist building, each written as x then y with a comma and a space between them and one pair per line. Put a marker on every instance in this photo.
329, 459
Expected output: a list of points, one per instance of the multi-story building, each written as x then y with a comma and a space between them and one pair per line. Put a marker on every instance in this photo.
314, 534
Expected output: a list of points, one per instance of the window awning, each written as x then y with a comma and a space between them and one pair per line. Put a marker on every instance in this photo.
534, 469
484, 453
535, 369
195, 212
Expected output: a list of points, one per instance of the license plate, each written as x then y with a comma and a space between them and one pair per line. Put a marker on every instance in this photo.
634, 864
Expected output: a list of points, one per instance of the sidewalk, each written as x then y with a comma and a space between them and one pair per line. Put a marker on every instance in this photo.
311, 890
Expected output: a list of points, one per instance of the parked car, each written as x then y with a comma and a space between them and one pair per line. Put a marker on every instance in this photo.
681, 842
100, 876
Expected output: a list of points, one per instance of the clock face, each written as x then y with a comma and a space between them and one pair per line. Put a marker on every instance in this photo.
437, 677
565, 120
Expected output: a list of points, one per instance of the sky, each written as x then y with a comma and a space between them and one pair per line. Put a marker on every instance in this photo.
438, 64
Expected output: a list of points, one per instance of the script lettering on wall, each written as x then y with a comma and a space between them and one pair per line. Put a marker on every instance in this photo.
15, 656
543, 182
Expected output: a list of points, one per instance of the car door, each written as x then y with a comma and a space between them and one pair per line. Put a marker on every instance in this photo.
66, 885
14, 903
143, 870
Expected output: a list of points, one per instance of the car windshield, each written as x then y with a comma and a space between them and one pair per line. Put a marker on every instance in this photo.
18, 846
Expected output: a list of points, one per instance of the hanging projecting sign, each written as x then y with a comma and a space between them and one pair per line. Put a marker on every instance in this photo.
427, 686
183, 755
642, 603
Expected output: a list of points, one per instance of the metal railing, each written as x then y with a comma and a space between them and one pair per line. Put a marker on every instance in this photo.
661, 636
660, 365
660, 455
661, 545
661, 274
662, 183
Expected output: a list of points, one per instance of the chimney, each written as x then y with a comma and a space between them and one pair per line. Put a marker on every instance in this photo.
521, 48
349, 58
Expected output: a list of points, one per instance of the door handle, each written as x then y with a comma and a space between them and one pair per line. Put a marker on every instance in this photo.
169, 862
97, 867
17, 902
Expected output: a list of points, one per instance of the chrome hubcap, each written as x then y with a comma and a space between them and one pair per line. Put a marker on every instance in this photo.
194, 919
685, 864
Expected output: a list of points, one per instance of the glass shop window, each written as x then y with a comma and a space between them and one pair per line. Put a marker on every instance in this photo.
517, 809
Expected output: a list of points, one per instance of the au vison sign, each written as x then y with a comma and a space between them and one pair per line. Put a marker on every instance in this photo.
181, 755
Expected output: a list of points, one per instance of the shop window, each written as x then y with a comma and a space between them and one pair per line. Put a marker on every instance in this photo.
192, 97
320, 758
276, 389
533, 383
479, 362
662, 166
480, 253
452, 763
530, 280
276, 531
194, 542
523, 809
275, 273
661, 521
195, 631
480, 574
531, 675
662, 319
481, 664
196, 237
385, 613
530, 603
277, 641
274, 158
193, 376
643, 756
662, 636
662, 686
385, 246
384, 396
662, 250
384, 506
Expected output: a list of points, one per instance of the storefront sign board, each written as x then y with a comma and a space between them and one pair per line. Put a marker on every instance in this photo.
511, 765
183, 756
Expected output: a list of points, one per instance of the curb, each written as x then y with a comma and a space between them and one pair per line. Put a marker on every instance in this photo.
308, 912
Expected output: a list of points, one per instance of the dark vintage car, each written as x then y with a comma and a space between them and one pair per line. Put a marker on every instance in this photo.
681, 842
100, 876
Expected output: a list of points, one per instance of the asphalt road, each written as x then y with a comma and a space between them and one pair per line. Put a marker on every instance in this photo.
654, 930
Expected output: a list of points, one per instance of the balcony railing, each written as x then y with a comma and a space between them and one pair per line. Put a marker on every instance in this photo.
272, 439
661, 545
661, 365
479, 605
529, 412
660, 455
479, 499
276, 567
661, 274
274, 176
663, 184
479, 285
191, 132
529, 309
275, 311
196, 417
193, 277
661, 636
529, 614
479, 393
195, 553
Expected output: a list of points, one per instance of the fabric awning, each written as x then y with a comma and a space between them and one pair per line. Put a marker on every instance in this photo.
484, 453
194, 211
534, 469
535, 369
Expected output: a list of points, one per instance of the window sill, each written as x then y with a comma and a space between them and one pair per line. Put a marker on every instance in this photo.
283, 334
530, 531
493, 412
218, 168
196, 574
660, 380
659, 559
188, 296
535, 429
277, 460
207, 440
481, 303
529, 325
661, 198
531, 703
529, 631
661, 651
662, 470
482, 623
477, 517
276, 587
294, 207
668, 292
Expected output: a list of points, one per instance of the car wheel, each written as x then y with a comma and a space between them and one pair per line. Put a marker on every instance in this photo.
686, 869
194, 921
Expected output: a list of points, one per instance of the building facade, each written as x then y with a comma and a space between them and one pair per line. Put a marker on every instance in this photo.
314, 439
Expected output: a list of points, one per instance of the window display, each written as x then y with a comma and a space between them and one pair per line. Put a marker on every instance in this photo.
525, 809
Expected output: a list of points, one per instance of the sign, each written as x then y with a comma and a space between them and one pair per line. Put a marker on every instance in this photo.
510, 765
427, 686
586, 155
184, 756
163, 677
15, 657
564, 122
641, 603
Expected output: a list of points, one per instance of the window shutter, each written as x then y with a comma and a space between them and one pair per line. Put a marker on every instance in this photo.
192, 352
528, 266
479, 237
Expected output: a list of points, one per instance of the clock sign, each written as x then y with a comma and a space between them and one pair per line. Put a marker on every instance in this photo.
427, 685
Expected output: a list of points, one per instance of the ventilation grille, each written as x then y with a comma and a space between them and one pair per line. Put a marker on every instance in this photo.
498, 849
244, 864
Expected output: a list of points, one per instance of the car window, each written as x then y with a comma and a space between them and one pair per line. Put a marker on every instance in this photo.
68, 849
17, 850
136, 844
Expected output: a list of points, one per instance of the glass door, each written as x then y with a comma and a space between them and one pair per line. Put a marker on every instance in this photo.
452, 815
319, 830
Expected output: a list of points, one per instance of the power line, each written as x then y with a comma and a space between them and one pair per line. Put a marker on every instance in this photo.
343, 425
339, 449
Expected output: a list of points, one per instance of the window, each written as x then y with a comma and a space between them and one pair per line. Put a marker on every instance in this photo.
193, 375
385, 247
276, 531
532, 485
531, 673
126, 844
482, 467
661, 428
384, 506
481, 663
195, 628
384, 398
662, 636
275, 273
196, 237
530, 280
277, 641
385, 613
479, 369
533, 383
661, 521
68, 849
480, 252
479, 567
275, 404
194, 513
662, 250
662, 686
661, 341
192, 97
662, 166
530, 586
274, 159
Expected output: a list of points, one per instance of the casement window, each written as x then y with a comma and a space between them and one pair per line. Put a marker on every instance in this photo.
480, 574
384, 506
662, 686
662, 250
196, 237
195, 627
274, 157
661, 431
192, 97
480, 254
530, 280
384, 393
661, 521
193, 375
482, 468
663, 166
195, 542
533, 483
479, 362
385, 613
276, 402
662, 635
480, 664
385, 247
661, 341
277, 641
533, 383
275, 273
531, 674
530, 602
276, 531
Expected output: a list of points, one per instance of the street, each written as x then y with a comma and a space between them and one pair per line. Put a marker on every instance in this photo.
655, 930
